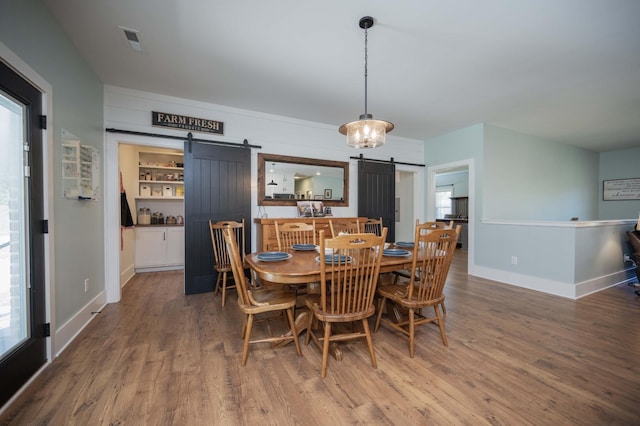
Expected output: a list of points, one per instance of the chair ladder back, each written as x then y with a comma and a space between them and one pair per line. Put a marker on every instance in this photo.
220, 253
372, 226
427, 227
338, 227
431, 267
235, 260
290, 233
348, 288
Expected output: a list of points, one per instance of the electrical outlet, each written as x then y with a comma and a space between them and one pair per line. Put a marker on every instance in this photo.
86, 285
514, 260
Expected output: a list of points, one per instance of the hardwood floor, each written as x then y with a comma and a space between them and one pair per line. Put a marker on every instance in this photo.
514, 357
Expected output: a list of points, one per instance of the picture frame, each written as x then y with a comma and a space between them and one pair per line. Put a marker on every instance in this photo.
621, 189
310, 208
305, 209
327, 194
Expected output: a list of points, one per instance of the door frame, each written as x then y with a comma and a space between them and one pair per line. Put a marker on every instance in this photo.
112, 203
432, 171
419, 194
29, 74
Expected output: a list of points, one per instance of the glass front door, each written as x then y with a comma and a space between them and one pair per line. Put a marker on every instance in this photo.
22, 233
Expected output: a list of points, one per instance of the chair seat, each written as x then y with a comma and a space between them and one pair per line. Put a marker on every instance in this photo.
313, 303
268, 300
398, 294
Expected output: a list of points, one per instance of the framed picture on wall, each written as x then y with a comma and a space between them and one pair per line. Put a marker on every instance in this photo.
621, 189
327, 194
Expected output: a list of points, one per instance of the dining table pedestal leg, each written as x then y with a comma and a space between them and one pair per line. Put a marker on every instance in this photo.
301, 325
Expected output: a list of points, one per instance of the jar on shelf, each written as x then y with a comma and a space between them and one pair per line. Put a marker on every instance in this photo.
157, 218
144, 216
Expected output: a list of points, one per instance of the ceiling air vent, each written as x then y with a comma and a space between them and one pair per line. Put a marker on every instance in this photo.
132, 38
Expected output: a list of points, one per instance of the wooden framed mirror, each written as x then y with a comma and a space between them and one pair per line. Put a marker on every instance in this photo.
285, 180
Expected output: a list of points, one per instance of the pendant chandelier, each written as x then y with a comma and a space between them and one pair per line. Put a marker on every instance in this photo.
273, 168
366, 132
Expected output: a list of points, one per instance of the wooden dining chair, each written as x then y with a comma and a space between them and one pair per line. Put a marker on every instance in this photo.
221, 255
253, 302
348, 284
290, 233
347, 227
426, 227
433, 253
372, 226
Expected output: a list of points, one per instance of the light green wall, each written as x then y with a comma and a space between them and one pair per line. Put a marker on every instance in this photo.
620, 164
527, 178
27, 28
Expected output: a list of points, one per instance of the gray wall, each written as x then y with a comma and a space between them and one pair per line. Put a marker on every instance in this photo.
527, 178
27, 28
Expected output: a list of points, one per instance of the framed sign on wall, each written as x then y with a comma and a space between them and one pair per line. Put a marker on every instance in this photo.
621, 189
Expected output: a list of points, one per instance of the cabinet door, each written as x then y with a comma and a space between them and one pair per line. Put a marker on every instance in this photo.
175, 246
151, 247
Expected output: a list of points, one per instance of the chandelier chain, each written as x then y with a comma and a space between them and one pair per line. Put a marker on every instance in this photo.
366, 69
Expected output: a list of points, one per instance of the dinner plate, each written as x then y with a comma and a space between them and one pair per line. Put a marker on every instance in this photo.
273, 256
338, 259
404, 244
396, 252
304, 247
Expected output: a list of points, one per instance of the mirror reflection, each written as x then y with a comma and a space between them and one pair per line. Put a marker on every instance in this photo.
284, 180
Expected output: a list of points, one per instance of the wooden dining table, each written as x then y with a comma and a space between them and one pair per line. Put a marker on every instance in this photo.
303, 268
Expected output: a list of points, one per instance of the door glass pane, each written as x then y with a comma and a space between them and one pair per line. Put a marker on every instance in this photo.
14, 278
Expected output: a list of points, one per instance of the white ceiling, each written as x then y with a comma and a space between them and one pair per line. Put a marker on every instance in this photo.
562, 70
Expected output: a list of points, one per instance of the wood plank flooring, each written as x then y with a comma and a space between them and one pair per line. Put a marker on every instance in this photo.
515, 357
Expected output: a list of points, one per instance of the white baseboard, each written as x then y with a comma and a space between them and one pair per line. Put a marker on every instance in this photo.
597, 284
127, 274
159, 268
69, 330
557, 288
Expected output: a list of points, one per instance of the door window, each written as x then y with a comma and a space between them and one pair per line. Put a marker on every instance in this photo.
443, 200
14, 279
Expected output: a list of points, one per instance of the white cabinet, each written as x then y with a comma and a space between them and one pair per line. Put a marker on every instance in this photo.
175, 246
159, 248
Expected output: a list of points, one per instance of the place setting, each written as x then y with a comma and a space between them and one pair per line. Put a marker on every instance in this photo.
304, 247
335, 258
404, 244
395, 252
273, 256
